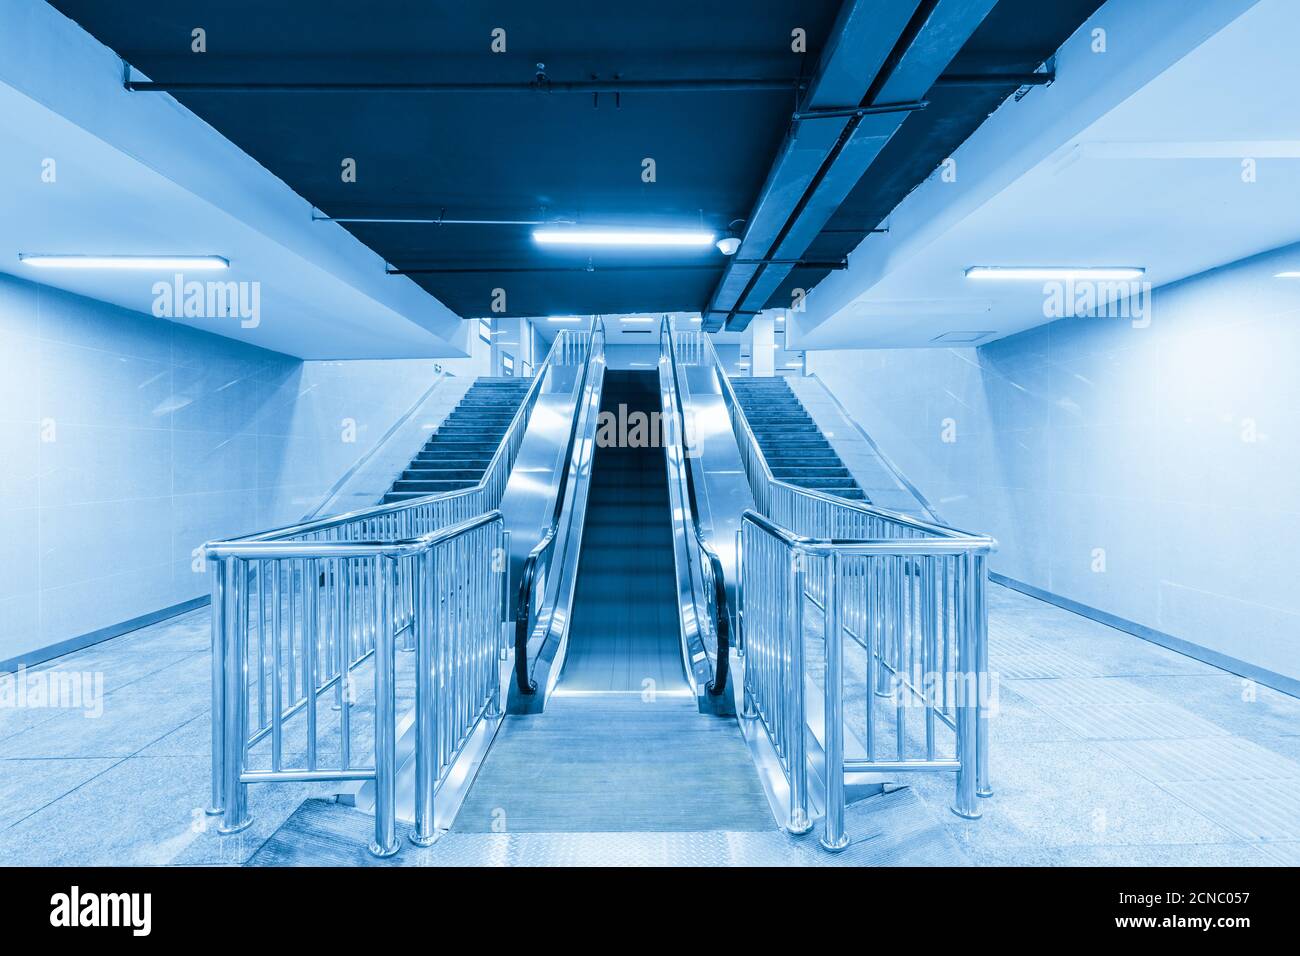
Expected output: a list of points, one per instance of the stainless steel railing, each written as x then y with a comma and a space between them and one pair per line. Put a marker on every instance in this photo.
914, 614
295, 620
311, 603
909, 595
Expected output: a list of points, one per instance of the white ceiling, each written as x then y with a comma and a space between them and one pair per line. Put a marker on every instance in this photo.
138, 174
1150, 176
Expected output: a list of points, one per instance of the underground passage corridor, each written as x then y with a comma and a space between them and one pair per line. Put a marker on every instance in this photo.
819, 435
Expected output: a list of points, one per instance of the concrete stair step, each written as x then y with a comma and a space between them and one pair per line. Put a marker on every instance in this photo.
442, 474
432, 464
789, 473
432, 487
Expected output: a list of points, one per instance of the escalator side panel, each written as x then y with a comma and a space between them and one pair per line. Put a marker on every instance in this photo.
722, 489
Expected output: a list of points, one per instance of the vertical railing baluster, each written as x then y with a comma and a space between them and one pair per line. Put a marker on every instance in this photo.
277, 702
235, 680
797, 720
965, 802
983, 678
311, 651
220, 637
833, 837
386, 843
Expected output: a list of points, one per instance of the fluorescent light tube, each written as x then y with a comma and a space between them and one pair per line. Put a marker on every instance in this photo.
637, 321
621, 237
565, 318
1289, 274
155, 263
1048, 273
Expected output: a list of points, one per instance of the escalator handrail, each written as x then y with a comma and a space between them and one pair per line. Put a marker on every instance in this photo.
528, 575
721, 610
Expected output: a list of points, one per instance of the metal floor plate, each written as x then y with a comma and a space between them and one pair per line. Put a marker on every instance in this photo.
895, 829
615, 763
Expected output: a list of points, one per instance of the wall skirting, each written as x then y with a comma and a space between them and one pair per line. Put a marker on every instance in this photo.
1286, 685
43, 654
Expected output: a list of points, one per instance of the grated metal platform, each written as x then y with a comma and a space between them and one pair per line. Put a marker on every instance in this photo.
891, 830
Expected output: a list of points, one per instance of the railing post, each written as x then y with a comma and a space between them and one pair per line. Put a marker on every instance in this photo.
219, 637
747, 708
386, 843
797, 721
878, 618
965, 803
235, 711
981, 624
494, 616
504, 649
833, 837
425, 729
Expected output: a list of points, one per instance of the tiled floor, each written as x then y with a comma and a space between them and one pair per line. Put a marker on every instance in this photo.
1105, 750
1110, 750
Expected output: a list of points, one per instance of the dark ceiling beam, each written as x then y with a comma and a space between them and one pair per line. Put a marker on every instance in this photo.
880, 53
858, 49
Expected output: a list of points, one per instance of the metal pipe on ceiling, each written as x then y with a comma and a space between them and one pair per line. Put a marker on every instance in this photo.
492, 270
440, 221
809, 181
856, 111
997, 79
487, 270
717, 85
804, 263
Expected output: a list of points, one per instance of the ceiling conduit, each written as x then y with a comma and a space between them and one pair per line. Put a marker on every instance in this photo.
881, 54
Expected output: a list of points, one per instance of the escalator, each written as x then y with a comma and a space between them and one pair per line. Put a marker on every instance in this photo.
623, 632
620, 744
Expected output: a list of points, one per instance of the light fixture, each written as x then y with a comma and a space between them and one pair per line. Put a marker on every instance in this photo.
729, 244
1289, 274
636, 320
621, 237
1049, 273
565, 319
155, 263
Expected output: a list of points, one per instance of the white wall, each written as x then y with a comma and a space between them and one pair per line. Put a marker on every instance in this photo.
1170, 451
127, 441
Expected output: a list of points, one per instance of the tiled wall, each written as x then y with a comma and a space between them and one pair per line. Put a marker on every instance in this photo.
126, 441
1152, 473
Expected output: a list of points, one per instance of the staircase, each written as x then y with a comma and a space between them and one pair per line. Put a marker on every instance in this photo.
795, 449
459, 451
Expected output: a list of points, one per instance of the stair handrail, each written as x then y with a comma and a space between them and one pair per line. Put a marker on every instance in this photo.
885, 460
403, 519
720, 617
541, 551
807, 511
440, 376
